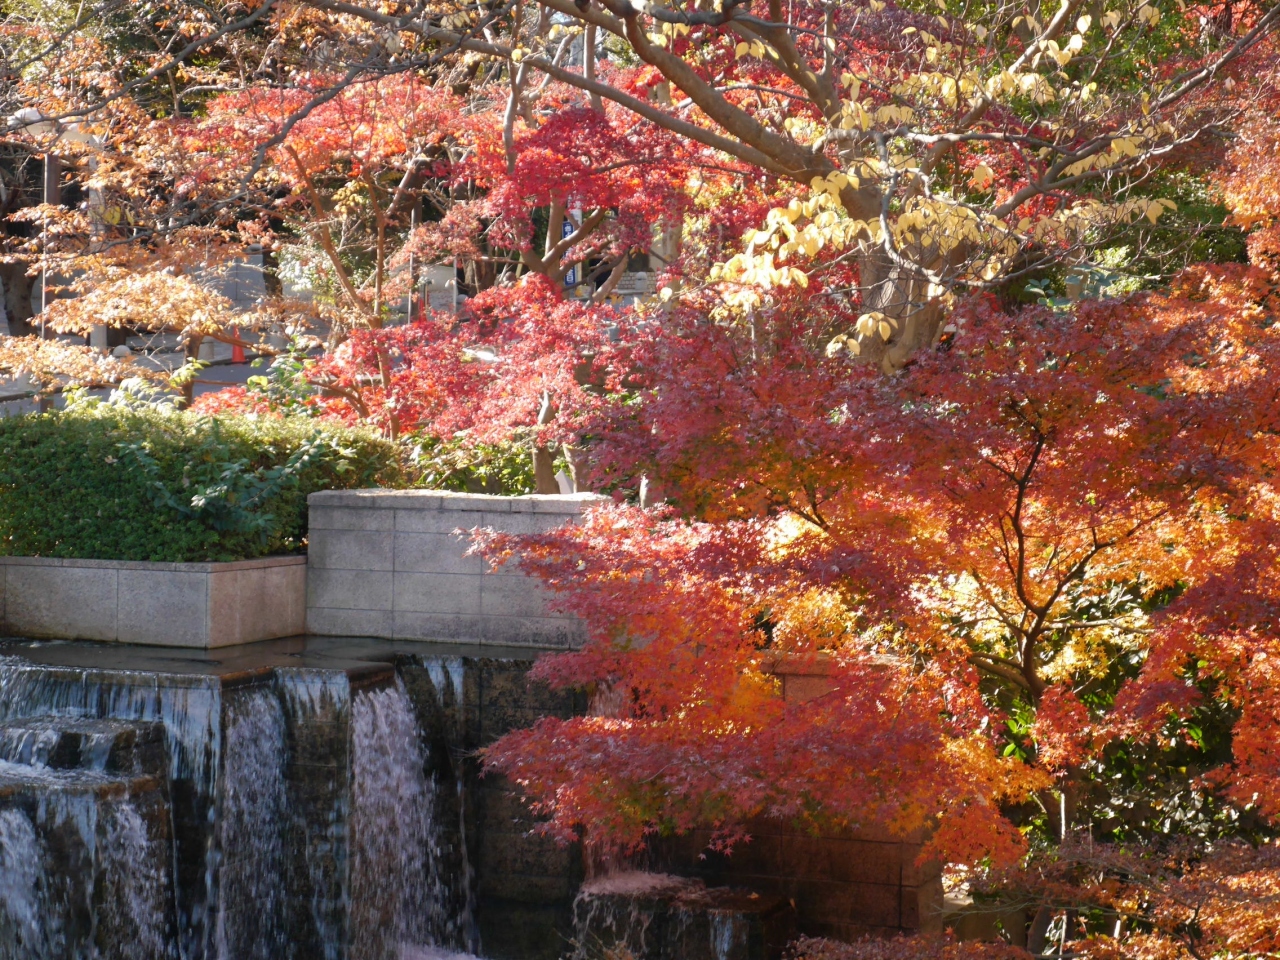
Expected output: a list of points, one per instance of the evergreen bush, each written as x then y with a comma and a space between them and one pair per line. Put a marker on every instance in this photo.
120, 481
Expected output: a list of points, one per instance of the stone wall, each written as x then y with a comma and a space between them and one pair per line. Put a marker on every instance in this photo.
525, 882
159, 604
392, 563
843, 884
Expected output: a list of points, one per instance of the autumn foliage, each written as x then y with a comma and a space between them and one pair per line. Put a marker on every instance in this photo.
1052, 538
1024, 530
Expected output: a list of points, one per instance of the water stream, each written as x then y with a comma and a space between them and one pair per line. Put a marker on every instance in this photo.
286, 814
252, 923
84, 866
395, 847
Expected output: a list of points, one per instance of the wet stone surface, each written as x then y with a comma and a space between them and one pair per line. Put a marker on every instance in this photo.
661, 917
67, 743
309, 798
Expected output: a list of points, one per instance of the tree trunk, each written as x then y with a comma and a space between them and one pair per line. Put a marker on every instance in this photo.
1039, 930
271, 283
902, 295
544, 470
17, 299
544, 459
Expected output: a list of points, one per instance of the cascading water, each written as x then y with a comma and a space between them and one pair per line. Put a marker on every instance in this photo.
135, 903
276, 812
189, 708
84, 867
652, 916
317, 716
32, 744
395, 845
21, 932
448, 675
252, 923
729, 934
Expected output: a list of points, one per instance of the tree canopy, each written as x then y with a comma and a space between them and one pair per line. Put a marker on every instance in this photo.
926, 346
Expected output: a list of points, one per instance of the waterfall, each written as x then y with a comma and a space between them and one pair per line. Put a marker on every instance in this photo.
21, 932
32, 745
280, 813
189, 707
252, 921
729, 934
135, 906
395, 846
317, 717
447, 675
84, 867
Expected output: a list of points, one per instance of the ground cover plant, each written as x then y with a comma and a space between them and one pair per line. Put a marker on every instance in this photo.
956, 378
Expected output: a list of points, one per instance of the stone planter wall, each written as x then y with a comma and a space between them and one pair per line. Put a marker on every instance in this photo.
391, 563
161, 604
844, 884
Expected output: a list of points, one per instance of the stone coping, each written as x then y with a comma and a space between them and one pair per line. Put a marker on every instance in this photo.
208, 566
384, 499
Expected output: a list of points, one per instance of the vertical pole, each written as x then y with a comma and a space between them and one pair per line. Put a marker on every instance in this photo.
413, 225
52, 196
44, 256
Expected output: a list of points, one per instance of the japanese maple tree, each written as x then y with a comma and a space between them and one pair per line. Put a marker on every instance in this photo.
1049, 539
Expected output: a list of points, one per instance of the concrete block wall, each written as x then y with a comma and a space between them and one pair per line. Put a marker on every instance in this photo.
162, 604
392, 563
844, 884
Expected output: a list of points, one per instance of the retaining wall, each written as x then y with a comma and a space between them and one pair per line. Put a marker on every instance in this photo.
392, 563
162, 604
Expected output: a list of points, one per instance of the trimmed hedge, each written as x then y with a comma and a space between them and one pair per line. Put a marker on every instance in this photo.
104, 481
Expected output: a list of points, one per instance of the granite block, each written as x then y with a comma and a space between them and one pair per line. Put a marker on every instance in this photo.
76, 603
435, 553
166, 609
513, 597
349, 589
443, 593
335, 622
362, 550
349, 518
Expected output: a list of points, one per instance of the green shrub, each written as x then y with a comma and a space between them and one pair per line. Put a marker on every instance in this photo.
504, 469
142, 482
